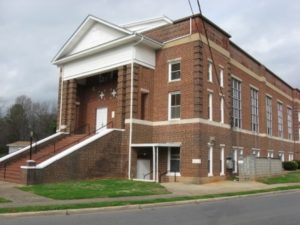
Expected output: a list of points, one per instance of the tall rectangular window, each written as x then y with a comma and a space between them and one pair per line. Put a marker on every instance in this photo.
236, 104
174, 105
281, 156
290, 123
210, 161
280, 119
174, 71
254, 110
222, 109
210, 106
210, 71
269, 115
221, 74
291, 156
222, 160
174, 160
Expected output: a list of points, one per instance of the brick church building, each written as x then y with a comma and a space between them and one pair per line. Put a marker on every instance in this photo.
148, 101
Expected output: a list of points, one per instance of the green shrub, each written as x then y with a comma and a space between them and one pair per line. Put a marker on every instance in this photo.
298, 161
290, 165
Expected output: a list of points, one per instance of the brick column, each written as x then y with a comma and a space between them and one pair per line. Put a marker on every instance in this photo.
136, 69
71, 104
121, 97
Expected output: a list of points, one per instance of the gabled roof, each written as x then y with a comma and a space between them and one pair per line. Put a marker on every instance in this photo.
80, 31
64, 56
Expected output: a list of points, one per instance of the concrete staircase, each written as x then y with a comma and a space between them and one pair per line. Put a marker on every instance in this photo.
10, 170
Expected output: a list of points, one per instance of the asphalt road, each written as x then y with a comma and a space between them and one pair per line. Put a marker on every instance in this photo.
273, 209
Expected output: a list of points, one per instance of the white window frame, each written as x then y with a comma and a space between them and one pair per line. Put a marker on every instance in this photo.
210, 106
281, 155
298, 116
290, 123
210, 71
270, 154
210, 161
172, 62
236, 103
222, 109
291, 156
299, 133
254, 98
235, 160
169, 164
221, 75
280, 119
170, 107
269, 115
222, 161
256, 152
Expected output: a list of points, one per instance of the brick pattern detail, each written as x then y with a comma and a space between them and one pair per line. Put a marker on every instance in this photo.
198, 79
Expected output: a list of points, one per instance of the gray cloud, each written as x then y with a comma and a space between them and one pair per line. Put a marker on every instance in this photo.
32, 31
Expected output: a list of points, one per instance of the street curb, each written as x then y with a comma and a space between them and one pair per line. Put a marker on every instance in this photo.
66, 212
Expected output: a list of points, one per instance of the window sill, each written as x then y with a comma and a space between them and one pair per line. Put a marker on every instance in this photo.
173, 174
171, 81
175, 119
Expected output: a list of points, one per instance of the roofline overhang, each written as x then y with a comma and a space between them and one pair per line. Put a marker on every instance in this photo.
112, 44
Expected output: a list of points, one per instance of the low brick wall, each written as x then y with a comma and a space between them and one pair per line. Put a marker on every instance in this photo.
251, 168
100, 158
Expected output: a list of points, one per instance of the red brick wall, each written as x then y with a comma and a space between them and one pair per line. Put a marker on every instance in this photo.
100, 158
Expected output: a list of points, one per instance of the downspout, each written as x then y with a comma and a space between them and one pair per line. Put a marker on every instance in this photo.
61, 97
131, 107
191, 26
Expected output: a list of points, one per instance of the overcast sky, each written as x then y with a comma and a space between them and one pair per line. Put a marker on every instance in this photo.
32, 31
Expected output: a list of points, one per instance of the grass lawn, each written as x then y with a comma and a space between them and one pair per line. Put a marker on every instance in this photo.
3, 200
291, 177
96, 189
140, 202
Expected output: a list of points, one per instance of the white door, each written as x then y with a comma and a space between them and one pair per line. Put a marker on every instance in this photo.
101, 119
143, 169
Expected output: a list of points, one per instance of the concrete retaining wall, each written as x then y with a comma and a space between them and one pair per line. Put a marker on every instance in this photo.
251, 168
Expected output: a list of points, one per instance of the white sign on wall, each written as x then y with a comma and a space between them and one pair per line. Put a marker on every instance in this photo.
196, 161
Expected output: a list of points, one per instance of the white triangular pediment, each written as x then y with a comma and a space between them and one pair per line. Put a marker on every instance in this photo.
91, 33
98, 34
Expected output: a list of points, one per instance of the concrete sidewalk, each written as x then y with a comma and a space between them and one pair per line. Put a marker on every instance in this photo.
20, 198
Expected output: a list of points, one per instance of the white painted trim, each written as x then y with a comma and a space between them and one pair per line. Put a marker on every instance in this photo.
270, 96
222, 159
74, 148
211, 160
210, 106
254, 87
143, 90
237, 78
28, 147
172, 144
170, 63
